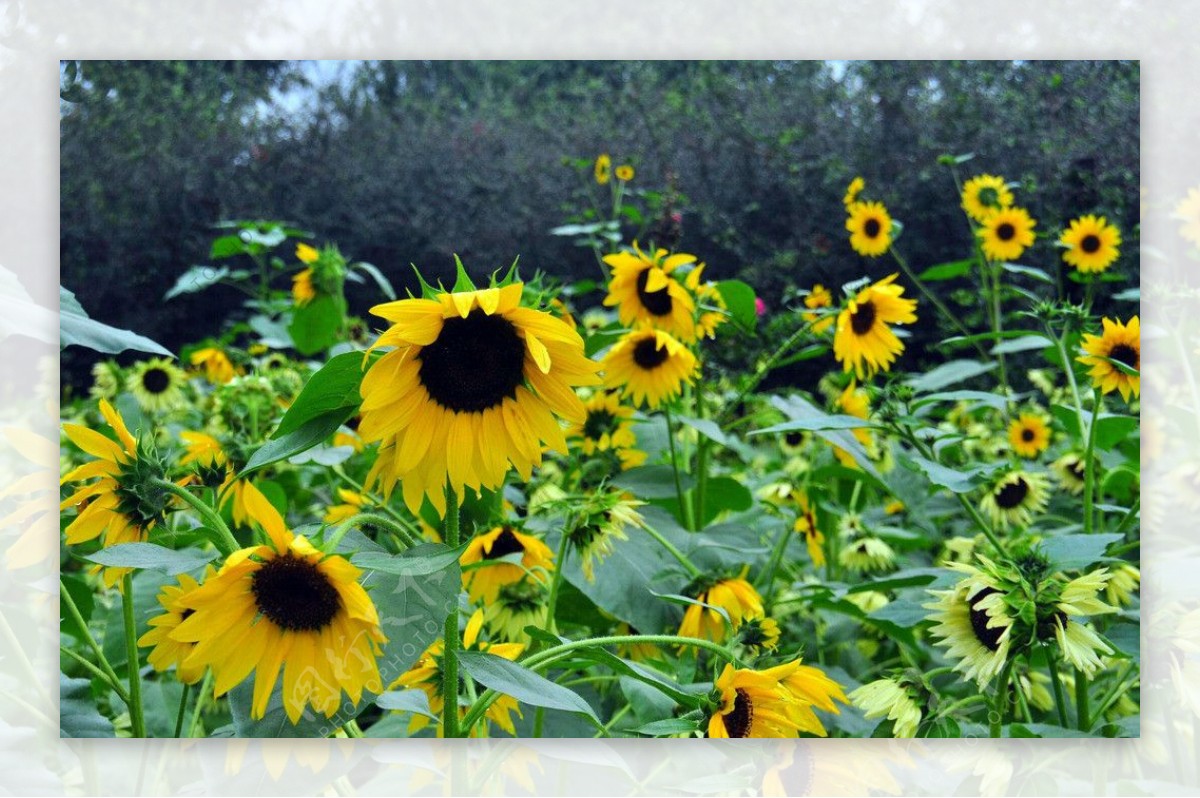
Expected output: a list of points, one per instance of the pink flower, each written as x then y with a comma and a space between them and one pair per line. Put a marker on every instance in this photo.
760, 307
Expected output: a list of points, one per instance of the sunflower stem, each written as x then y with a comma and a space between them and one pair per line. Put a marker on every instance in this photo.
560, 562
1082, 721
692, 570
1059, 701
1130, 516
450, 640
182, 713
998, 325
702, 449
1089, 478
136, 717
115, 686
362, 519
1119, 686
205, 686
932, 297
685, 508
1000, 706
224, 540
104, 665
768, 574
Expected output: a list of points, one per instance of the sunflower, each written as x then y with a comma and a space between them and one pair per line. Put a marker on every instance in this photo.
106, 380
867, 553
736, 597
854, 401
888, 698
650, 366
759, 635
285, 606
818, 297
973, 622
484, 580
863, 342
303, 290
517, 606
214, 469
870, 228
602, 169
1005, 233
1072, 472
624, 173
475, 384
124, 504
776, 702
1122, 584
1015, 498
167, 651
157, 384
352, 504
218, 369
1079, 645
644, 291
806, 524
306, 253
1029, 435
607, 425
984, 194
1091, 244
426, 675
603, 523
1119, 342
714, 310
853, 190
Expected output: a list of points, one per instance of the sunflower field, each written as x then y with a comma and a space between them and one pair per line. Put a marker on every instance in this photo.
513, 505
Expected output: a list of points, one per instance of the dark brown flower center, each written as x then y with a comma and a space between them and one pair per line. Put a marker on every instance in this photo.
739, 721
506, 543
658, 302
872, 227
1012, 494
1005, 231
1090, 243
1027, 435
648, 355
863, 319
990, 638
294, 594
475, 363
1126, 355
794, 438
156, 380
599, 423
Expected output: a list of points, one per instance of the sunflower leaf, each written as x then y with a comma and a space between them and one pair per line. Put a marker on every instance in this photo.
309, 434
523, 684
75, 327
652, 482
667, 727
739, 300
948, 374
1069, 552
947, 271
151, 556
424, 559
414, 701
77, 713
333, 387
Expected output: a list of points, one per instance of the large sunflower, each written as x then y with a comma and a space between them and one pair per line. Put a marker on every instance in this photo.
1029, 435
1005, 233
645, 291
475, 383
124, 504
285, 606
157, 384
974, 624
650, 366
870, 228
1091, 243
983, 194
863, 341
1015, 498
1119, 342
776, 702
484, 580
736, 597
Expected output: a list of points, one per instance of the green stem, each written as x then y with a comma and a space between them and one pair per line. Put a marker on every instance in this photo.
767, 580
702, 449
685, 508
1118, 688
608, 727
1068, 366
374, 519
104, 665
450, 641
1022, 702
225, 540
761, 373
1129, 518
353, 730
937, 303
136, 716
560, 563
963, 702
1089, 478
1059, 700
1000, 705
182, 713
205, 686
998, 325
539, 720
1082, 721
98, 673
692, 570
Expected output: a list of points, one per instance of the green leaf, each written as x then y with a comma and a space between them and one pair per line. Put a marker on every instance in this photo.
707, 428
385, 285
947, 271
335, 386
427, 558
226, 247
910, 577
81, 594
724, 494
1111, 429
797, 408
1070, 552
948, 374
815, 423
521, 683
1129, 295
904, 613
666, 728
1027, 271
77, 713
1023, 344
151, 556
315, 326
982, 397
1042, 730
739, 301
76, 328
307, 435
652, 482
196, 279
958, 481
414, 701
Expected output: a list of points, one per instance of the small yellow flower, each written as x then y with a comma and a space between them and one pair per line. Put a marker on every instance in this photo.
303, 290
1119, 342
819, 297
983, 194
870, 228
217, 367
306, 253
625, 173
1091, 244
1006, 233
736, 597
1029, 435
602, 168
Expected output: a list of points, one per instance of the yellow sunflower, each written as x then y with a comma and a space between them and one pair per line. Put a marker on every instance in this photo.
1029, 435
1071, 470
806, 524
214, 469
218, 369
983, 194
853, 190
306, 253
484, 580
888, 698
475, 385
650, 366
157, 384
624, 173
124, 504
352, 504
168, 652
819, 297
863, 341
1005, 233
303, 290
608, 425
1015, 498
287, 607
973, 622
736, 596
644, 291
870, 228
426, 675
1091, 243
714, 312
602, 169
776, 702
855, 401
1119, 342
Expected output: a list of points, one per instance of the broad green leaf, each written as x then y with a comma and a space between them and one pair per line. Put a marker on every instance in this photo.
77, 713
226, 247
947, 271
521, 683
1027, 271
739, 300
902, 612
1023, 344
981, 397
948, 374
724, 494
335, 386
307, 435
667, 728
1069, 552
706, 427
652, 482
315, 326
1111, 429
196, 279
817, 423
958, 481
414, 701
911, 577
76, 328
84, 600
152, 556
424, 559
